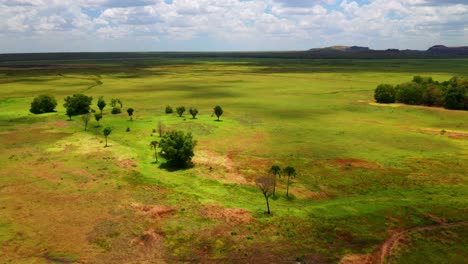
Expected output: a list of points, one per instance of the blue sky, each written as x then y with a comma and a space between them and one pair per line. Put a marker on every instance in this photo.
228, 25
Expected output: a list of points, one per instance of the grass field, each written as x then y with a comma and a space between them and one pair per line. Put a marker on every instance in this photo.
365, 171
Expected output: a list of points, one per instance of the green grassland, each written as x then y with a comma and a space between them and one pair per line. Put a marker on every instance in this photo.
365, 170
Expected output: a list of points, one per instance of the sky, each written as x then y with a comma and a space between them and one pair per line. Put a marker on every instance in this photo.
228, 25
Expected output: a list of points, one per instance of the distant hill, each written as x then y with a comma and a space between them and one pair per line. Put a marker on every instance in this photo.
334, 52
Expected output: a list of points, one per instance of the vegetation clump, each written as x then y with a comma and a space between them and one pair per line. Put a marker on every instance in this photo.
180, 110
169, 110
451, 94
177, 148
78, 104
43, 104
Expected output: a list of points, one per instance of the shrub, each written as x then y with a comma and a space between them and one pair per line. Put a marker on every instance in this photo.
385, 94
410, 93
116, 110
177, 148
180, 110
169, 110
78, 104
43, 104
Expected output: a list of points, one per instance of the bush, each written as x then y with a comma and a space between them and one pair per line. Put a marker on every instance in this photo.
43, 104
410, 93
169, 110
180, 110
455, 98
116, 110
177, 148
385, 94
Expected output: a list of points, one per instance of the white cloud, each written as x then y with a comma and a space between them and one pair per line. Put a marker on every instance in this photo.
230, 24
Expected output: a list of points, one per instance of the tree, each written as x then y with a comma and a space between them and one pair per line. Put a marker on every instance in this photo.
154, 145
169, 110
177, 148
193, 112
116, 110
411, 93
290, 171
266, 185
180, 110
98, 117
130, 112
218, 111
455, 98
115, 101
43, 103
276, 171
107, 131
86, 117
160, 128
101, 103
78, 104
385, 94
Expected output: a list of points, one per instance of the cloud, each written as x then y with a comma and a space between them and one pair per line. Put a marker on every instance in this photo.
230, 24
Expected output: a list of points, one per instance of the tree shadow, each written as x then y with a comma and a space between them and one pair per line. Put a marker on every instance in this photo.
172, 167
216, 120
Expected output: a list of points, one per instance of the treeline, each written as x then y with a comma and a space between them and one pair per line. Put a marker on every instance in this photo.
451, 94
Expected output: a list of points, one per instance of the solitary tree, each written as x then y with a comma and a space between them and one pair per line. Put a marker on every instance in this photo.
130, 113
218, 111
276, 171
180, 110
101, 103
154, 145
266, 185
78, 104
177, 148
160, 128
169, 110
86, 117
290, 171
43, 104
98, 117
107, 131
193, 112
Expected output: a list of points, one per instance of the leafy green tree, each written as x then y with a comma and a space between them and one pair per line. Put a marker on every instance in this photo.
116, 110
78, 104
169, 110
410, 93
291, 172
455, 98
130, 112
177, 148
276, 171
385, 94
101, 103
43, 103
154, 145
86, 117
107, 131
98, 117
193, 112
218, 111
266, 185
180, 110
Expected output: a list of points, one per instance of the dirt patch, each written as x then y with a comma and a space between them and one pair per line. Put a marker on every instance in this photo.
218, 167
357, 164
442, 132
302, 193
228, 215
153, 211
357, 259
61, 123
127, 163
148, 238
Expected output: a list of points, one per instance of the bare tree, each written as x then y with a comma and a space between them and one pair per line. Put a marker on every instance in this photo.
86, 117
160, 128
266, 185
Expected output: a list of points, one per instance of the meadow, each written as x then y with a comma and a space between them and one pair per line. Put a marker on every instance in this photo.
365, 171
